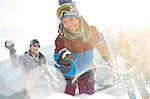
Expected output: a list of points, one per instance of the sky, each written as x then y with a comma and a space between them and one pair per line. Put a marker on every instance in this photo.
24, 20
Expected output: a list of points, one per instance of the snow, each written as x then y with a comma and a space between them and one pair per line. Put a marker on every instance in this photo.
97, 95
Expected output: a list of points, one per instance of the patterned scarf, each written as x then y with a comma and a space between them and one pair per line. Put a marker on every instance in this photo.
83, 34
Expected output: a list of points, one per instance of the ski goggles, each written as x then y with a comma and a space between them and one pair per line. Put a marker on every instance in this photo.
65, 10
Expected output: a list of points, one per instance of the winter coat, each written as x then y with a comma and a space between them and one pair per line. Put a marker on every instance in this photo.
27, 61
82, 53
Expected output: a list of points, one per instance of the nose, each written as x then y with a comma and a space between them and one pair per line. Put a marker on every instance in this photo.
36, 48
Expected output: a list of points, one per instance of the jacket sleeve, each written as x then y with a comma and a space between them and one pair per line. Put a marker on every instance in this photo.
58, 46
69, 70
15, 60
56, 52
65, 67
102, 48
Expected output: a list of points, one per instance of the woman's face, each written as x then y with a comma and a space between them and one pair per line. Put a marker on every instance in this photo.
71, 24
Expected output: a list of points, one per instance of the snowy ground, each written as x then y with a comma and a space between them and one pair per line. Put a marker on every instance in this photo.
10, 83
97, 95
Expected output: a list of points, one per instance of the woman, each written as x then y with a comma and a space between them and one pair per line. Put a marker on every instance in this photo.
74, 49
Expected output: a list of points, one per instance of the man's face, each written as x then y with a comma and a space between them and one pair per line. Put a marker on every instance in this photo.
35, 48
71, 24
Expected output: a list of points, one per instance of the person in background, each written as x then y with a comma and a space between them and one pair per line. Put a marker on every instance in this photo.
30, 60
124, 49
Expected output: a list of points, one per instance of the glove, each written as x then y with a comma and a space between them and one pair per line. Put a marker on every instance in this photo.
10, 45
108, 60
65, 57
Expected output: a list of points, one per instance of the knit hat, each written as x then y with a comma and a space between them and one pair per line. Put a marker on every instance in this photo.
34, 41
64, 1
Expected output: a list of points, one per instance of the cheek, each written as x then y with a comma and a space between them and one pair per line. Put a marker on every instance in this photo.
65, 26
31, 49
76, 26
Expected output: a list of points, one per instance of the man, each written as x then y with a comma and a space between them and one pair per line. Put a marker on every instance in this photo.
29, 62
31, 58
74, 50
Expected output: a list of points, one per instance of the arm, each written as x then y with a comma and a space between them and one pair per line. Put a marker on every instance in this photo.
63, 58
16, 61
64, 63
104, 51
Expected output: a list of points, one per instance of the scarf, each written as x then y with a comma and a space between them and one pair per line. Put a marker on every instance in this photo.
83, 34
